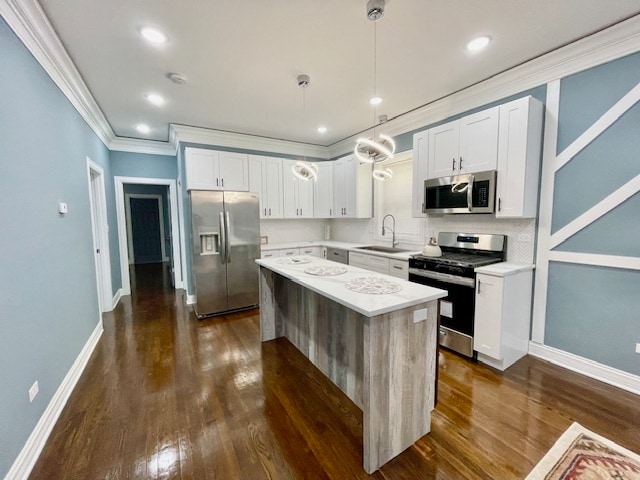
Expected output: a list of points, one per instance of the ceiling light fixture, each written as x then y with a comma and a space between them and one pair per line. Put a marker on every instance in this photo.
142, 128
382, 174
154, 35
155, 99
381, 148
478, 44
305, 171
322, 129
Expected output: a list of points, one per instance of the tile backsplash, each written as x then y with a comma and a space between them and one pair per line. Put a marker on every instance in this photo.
293, 230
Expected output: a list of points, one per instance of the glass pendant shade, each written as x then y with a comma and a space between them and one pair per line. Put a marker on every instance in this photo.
375, 151
305, 171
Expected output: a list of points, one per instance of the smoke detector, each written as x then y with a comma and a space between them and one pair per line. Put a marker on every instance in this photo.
375, 9
304, 81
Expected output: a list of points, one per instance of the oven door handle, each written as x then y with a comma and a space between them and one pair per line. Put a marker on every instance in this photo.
444, 277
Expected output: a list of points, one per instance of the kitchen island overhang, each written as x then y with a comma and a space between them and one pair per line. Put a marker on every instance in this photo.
379, 349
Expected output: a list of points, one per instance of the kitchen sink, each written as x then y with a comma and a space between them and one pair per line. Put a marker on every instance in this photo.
377, 248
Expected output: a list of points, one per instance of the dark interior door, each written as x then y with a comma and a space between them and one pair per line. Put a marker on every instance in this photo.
145, 230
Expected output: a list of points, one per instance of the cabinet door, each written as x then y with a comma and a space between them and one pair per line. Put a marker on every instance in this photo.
420, 164
256, 182
351, 184
233, 171
290, 205
272, 187
443, 150
519, 146
201, 169
487, 336
479, 141
339, 196
323, 191
305, 190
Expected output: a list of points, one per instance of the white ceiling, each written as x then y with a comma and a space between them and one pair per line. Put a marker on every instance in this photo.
242, 57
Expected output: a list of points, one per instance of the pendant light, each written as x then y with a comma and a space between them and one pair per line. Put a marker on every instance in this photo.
379, 148
304, 170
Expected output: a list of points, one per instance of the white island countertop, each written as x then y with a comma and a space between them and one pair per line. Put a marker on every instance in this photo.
334, 287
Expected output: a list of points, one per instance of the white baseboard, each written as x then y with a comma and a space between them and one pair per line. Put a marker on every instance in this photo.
27, 458
191, 299
116, 298
590, 368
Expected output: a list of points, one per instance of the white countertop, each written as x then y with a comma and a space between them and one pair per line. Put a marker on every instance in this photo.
333, 287
503, 269
335, 244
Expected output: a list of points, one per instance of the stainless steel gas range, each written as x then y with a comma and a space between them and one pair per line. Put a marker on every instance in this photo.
454, 272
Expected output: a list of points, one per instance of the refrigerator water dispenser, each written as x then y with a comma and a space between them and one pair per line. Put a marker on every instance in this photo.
209, 243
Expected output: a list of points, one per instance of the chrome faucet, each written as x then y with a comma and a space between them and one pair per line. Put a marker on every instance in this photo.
393, 230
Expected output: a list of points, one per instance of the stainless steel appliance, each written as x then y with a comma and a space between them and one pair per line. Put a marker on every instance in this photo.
338, 255
468, 193
454, 272
225, 242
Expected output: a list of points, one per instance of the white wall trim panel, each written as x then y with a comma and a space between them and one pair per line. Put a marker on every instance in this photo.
612, 261
206, 136
594, 213
604, 122
546, 210
590, 368
29, 454
134, 145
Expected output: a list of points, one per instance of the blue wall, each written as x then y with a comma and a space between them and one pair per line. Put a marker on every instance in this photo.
593, 311
126, 164
48, 297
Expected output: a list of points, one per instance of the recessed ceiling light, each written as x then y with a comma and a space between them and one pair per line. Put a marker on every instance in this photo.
375, 100
322, 129
153, 35
155, 99
478, 44
142, 128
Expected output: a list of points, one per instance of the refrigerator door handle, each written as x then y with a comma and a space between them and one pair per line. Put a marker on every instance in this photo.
223, 239
227, 231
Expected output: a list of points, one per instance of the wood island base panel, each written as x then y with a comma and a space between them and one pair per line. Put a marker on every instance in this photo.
386, 364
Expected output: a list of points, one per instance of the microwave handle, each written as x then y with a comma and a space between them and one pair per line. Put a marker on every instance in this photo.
470, 193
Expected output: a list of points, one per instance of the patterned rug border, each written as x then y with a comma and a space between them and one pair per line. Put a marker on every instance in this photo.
564, 442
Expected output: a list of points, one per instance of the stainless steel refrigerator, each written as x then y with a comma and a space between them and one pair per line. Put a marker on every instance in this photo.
225, 241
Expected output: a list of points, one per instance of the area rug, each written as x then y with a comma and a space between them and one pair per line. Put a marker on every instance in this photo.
580, 454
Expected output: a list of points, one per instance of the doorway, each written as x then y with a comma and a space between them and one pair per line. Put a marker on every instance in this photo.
148, 229
100, 229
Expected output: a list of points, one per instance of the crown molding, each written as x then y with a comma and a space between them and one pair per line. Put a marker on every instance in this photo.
29, 22
206, 136
134, 145
614, 42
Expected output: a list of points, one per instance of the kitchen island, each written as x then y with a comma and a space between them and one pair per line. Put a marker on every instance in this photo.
378, 347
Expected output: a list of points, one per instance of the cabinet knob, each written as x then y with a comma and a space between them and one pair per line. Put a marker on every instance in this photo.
269, 211
499, 204
223, 182
453, 164
479, 282
460, 163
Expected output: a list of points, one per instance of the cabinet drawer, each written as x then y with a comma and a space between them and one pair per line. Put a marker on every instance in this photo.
399, 268
379, 264
270, 254
314, 251
289, 252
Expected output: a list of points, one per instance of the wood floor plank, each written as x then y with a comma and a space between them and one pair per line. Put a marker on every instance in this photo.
167, 396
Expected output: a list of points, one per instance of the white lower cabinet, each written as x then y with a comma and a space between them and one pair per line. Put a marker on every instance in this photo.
503, 313
315, 251
375, 263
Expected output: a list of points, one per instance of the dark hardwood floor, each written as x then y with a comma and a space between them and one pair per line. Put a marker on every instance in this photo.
167, 396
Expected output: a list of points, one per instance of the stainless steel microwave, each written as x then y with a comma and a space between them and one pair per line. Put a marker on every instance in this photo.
467, 193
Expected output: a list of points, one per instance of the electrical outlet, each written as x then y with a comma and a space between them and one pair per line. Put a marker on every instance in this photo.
420, 315
33, 391
637, 347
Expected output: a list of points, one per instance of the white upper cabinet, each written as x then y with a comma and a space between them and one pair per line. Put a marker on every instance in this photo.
214, 170
297, 193
323, 191
467, 145
352, 188
420, 174
519, 158
265, 178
